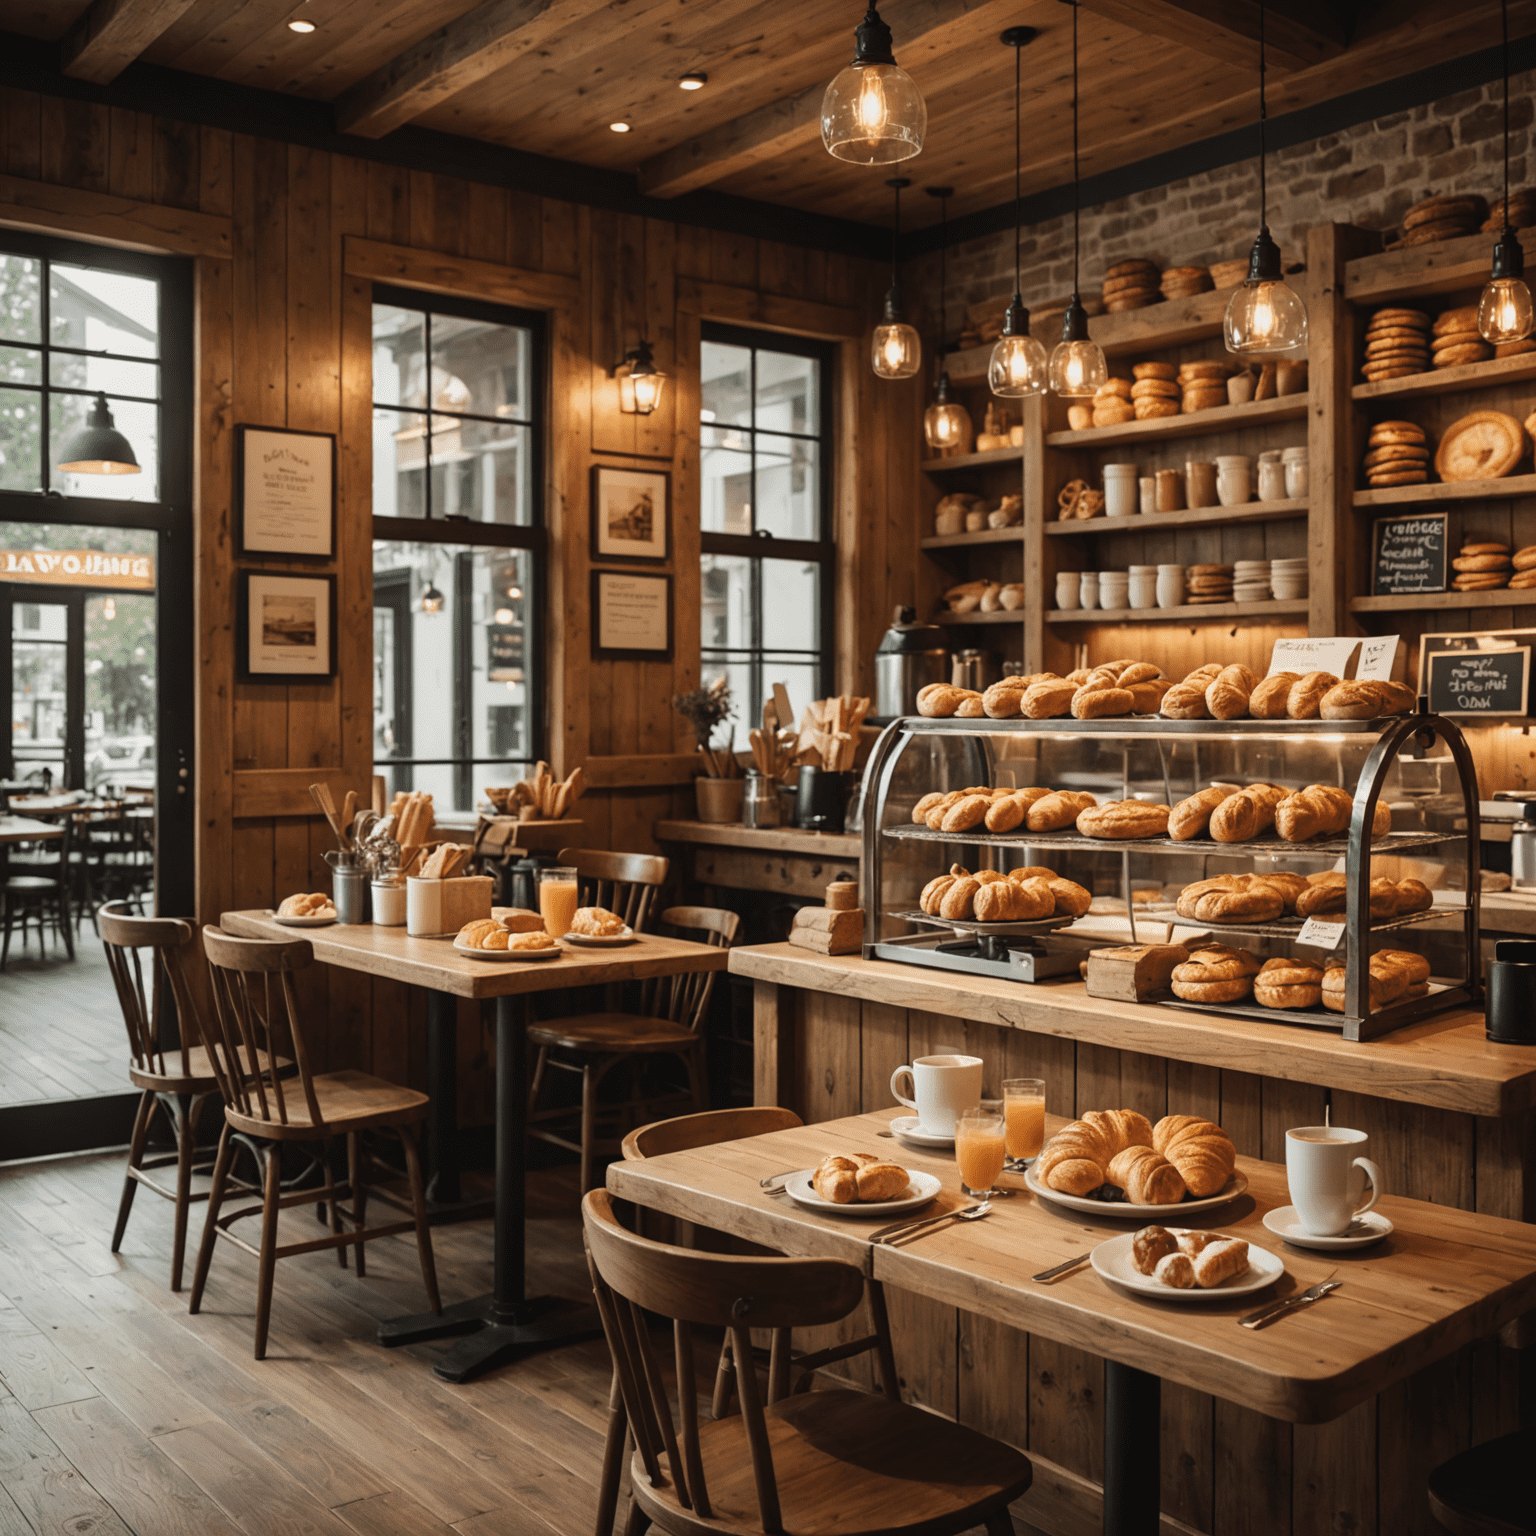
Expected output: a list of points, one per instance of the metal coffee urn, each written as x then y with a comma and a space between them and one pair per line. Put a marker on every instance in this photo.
911, 656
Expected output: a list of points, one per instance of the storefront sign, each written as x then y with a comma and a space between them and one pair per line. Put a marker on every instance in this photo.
79, 568
504, 653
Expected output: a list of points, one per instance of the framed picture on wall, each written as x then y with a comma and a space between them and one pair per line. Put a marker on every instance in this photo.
630, 513
631, 616
285, 627
285, 492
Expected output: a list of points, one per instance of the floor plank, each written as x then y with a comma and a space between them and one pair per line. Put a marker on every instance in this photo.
37, 1374
51, 1494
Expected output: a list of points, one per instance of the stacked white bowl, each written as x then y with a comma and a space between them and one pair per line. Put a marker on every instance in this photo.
1288, 578
1250, 581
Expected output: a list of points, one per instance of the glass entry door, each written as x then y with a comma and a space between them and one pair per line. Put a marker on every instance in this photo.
46, 741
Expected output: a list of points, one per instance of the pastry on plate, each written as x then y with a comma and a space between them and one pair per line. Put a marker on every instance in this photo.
858, 1176
518, 919
532, 941
312, 904
597, 923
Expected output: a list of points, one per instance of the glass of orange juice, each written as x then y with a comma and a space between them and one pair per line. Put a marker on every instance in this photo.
558, 899
1024, 1119
980, 1150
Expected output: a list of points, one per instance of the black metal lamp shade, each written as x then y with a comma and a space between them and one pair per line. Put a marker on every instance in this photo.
98, 448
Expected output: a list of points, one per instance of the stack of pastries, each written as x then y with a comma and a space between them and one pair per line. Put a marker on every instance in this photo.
858, 1176
1215, 692
1219, 974
1120, 687
1228, 813
1184, 1259
1022, 896
1118, 1154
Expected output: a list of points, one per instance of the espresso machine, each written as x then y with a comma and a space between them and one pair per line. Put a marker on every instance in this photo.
911, 656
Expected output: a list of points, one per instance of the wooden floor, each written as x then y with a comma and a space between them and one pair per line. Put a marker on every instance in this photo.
61, 1034
121, 1413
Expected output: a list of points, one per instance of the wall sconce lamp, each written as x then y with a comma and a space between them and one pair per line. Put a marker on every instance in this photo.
641, 382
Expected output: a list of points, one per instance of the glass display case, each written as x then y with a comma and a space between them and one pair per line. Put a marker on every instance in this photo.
1418, 765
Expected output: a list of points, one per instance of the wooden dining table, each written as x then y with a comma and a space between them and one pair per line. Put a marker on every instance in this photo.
24, 829
1443, 1278
506, 1323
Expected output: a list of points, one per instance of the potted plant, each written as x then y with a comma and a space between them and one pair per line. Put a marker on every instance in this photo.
720, 786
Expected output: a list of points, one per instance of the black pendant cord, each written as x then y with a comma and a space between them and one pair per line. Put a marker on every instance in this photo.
1504, 21
1076, 178
895, 234
1263, 117
943, 276
1018, 151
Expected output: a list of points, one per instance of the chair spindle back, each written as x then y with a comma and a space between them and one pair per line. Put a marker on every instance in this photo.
170, 944
708, 1128
684, 999
624, 883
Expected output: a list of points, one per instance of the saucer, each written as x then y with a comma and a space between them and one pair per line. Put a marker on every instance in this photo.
905, 1128
1360, 1233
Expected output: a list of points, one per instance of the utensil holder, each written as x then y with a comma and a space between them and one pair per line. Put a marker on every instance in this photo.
821, 799
1511, 1018
349, 893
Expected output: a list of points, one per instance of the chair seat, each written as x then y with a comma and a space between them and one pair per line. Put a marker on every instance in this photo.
199, 1077
22, 884
349, 1101
621, 1032
893, 1468
1486, 1491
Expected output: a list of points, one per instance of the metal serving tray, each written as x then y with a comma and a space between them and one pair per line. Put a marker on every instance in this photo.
1393, 842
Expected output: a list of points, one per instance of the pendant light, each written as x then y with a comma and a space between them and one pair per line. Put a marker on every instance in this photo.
1264, 314
944, 423
873, 112
1504, 311
98, 448
1018, 363
1077, 364
897, 350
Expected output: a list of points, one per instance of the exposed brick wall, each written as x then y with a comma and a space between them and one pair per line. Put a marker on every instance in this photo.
1367, 175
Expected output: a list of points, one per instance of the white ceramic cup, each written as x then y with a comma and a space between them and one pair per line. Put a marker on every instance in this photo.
1142, 590
1147, 486
1067, 588
1088, 589
942, 1088
1170, 586
1327, 1171
1271, 480
1233, 479
1120, 493
1296, 479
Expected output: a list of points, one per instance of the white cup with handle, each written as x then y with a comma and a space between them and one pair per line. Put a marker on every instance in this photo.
1327, 1170
941, 1089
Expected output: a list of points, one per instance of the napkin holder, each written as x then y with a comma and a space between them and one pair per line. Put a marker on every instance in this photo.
437, 909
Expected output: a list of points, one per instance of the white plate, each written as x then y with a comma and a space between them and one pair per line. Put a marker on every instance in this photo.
906, 1128
922, 1186
1120, 1210
1112, 1261
601, 940
507, 954
319, 920
1360, 1233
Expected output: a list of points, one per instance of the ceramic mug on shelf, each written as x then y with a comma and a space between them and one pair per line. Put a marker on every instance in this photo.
1326, 1169
1271, 478
941, 1088
1170, 586
1141, 587
1234, 481
1088, 589
1240, 387
1200, 481
1114, 587
1120, 490
1170, 491
1068, 587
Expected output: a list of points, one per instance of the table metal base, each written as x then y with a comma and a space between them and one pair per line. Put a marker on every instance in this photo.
497, 1335
1132, 1451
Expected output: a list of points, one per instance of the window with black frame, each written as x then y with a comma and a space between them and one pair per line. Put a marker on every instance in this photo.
459, 543
765, 448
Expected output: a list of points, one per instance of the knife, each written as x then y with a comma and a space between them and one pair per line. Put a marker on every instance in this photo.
1272, 1313
922, 1221
1061, 1269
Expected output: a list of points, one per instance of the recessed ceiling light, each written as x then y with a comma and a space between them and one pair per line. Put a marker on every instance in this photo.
301, 26
619, 127
695, 80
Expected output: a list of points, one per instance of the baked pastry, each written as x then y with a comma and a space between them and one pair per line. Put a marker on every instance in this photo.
1325, 895
1271, 695
306, 904
597, 923
956, 901
927, 803
1192, 1242
1146, 1176
1076, 1159
1191, 818
1177, 1270
1047, 699
1247, 814
1288, 984
1214, 974
1090, 703
1069, 896
1057, 810
1319, 810
1201, 1151
1186, 701
471, 934
940, 700
1231, 899
1227, 696
1413, 896
1124, 819
1306, 695
1149, 1246
1147, 698
1221, 1261
1006, 901
1007, 809
518, 919
967, 812
1483, 445
1351, 700
532, 941
1290, 886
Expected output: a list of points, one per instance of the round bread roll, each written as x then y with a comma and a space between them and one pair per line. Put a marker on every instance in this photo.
1069, 896
472, 934
1186, 701
1227, 696
1351, 700
1270, 695
966, 813
1090, 703
1046, 700
1165, 371
1124, 819
1483, 445
1246, 815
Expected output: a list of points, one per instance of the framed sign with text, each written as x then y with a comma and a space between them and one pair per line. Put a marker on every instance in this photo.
285, 493
631, 616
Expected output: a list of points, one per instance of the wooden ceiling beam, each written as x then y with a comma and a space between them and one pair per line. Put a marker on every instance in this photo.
482, 41
111, 34
1296, 36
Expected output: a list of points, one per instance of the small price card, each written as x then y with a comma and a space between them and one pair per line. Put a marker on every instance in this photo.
1321, 934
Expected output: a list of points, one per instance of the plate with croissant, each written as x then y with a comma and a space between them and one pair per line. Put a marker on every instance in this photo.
312, 910
598, 928
860, 1184
1178, 1264
1117, 1163
488, 939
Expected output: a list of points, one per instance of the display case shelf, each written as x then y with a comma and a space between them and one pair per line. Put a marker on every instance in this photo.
1191, 517
1392, 843
1439, 491
1219, 418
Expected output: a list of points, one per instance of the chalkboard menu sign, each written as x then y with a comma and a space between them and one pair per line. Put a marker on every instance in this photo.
1475, 682
1410, 554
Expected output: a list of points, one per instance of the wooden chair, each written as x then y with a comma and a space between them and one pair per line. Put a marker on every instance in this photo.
37, 886
624, 883
836, 1461
177, 1081
254, 996
685, 1133
667, 1022
1486, 1491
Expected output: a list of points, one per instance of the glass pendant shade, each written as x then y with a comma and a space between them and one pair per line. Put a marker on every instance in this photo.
1078, 367
641, 386
1018, 365
1264, 313
98, 448
431, 599
872, 112
1504, 311
897, 349
944, 423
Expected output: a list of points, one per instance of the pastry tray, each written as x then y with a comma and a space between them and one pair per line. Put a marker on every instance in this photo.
1002, 930
1290, 927
1393, 1016
1393, 842
1148, 725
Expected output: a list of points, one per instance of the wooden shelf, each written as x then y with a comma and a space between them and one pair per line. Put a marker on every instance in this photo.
1456, 490
1403, 602
1418, 271
986, 536
972, 460
1195, 517
1449, 381
1002, 616
1189, 613
1220, 418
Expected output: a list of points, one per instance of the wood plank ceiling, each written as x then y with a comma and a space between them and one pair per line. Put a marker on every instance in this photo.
550, 76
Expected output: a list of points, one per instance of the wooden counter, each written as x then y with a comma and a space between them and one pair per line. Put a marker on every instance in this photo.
783, 860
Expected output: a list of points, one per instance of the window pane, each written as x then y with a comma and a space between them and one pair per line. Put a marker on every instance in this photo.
725, 384
399, 464
20, 365
800, 677
69, 370
38, 713
21, 456
727, 603
138, 422
788, 487
399, 355
725, 474
740, 673
788, 393
119, 689
480, 367
20, 291
481, 470
792, 614
103, 311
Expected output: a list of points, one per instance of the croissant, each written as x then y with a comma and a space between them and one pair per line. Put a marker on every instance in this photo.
1247, 814
1201, 1151
836, 1179
1147, 1177
1120, 1128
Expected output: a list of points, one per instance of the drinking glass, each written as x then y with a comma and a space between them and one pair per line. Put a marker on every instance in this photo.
980, 1150
1024, 1120
558, 899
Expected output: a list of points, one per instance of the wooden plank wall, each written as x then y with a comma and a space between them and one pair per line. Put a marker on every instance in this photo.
281, 333
1227, 1470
